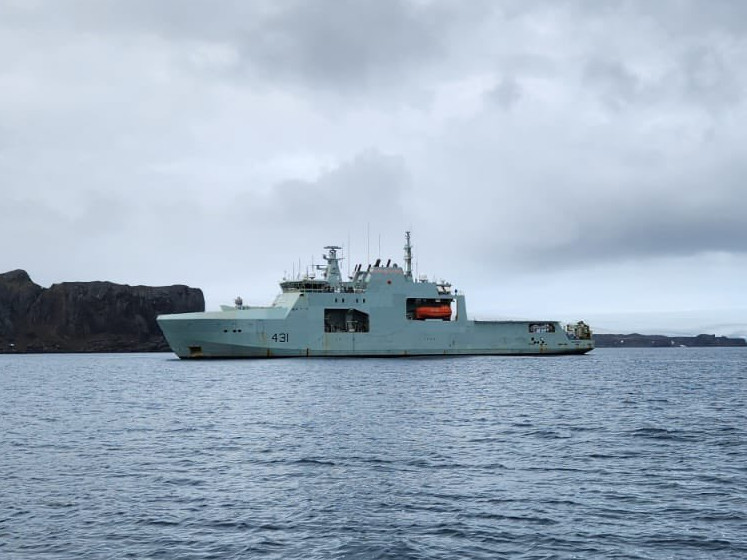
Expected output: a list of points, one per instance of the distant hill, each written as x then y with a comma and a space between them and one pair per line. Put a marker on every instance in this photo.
87, 316
636, 340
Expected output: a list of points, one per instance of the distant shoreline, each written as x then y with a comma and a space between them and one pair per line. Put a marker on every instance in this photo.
103, 317
636, 340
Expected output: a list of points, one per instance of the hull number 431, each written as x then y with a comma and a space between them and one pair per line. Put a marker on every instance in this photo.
279, 337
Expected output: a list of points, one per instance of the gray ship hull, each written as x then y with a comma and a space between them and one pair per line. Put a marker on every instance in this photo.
381, 311
234, 334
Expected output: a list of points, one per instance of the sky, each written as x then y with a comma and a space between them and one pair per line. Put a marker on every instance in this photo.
554, 159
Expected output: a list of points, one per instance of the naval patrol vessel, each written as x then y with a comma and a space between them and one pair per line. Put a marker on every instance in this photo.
380, 311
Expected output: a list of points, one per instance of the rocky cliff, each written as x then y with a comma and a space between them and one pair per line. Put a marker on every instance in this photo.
87, 316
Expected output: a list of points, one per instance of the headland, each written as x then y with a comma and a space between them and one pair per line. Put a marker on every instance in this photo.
87, 316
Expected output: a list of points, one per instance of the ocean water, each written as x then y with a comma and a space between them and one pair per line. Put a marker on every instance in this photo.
618, 454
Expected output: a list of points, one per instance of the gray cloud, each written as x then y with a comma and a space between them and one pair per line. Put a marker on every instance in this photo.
690, 18
709, 79
346, 44
616, 84
636, 224
351, 45
371, 187
506, 93
372, 184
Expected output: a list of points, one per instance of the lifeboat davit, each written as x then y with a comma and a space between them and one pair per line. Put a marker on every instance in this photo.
433, 312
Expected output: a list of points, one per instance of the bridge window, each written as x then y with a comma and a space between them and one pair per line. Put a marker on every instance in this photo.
541, 327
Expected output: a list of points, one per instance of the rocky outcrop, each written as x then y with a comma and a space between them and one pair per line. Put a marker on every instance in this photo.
636, 340
87, 316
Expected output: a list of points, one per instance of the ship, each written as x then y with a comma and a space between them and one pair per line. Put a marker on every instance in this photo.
378, 311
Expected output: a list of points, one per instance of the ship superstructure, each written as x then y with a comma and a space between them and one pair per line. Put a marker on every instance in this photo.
380, 310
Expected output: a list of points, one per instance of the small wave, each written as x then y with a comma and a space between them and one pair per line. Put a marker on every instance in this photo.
314, 462
180, 481
662, 434
229, 525
551, 434
721, 516
158, 522
522, 519
395, 549
673, 542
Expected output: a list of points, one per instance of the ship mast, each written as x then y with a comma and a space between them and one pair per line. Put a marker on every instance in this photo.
408, 256
332, 272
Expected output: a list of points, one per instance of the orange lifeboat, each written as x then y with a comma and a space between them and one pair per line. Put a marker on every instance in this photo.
433, 312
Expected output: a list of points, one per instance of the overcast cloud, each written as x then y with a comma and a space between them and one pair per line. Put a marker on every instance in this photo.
559, 159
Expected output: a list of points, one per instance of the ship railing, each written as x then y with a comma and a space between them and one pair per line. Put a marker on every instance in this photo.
325, 289
293, 289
